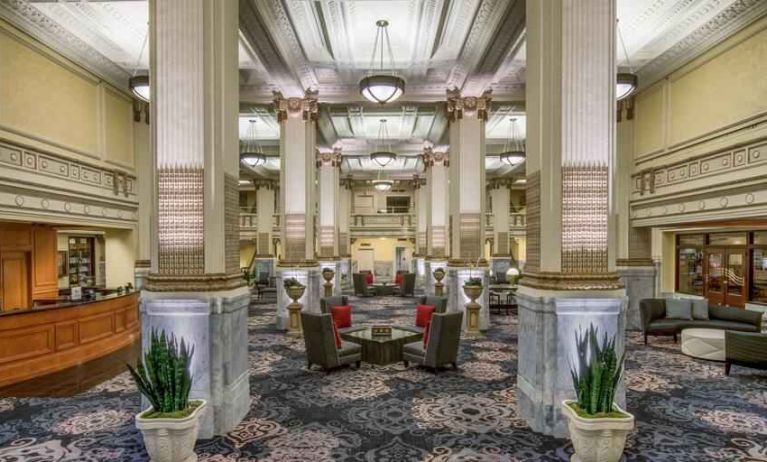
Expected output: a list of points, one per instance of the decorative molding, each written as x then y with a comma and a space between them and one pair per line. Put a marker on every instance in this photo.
459, 106
725, 24
306, 108
193, 283
53, 35
562, 281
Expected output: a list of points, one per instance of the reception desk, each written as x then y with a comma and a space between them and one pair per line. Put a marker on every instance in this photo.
56, 336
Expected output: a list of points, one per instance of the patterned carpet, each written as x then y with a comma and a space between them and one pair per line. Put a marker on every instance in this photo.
686, 409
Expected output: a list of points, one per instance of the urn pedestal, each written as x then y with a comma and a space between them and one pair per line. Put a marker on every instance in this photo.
328, 275
472, 310
294, 310
439, 286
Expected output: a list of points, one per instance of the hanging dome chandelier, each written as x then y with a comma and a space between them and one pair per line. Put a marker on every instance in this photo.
251, 153
626, 83
139, 82
383, 155
513, 151
382, 87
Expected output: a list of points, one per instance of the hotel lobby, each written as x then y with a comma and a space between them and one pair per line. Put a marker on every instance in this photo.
383, 230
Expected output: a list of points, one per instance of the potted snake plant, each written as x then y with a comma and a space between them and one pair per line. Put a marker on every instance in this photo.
170, 426
598, 426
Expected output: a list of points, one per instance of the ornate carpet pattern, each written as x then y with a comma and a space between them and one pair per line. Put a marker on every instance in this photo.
686, 409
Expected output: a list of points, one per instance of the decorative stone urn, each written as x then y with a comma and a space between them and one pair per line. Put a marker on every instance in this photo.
597, 439
327, 275
439, 275
472, 308
171, 440
294, 309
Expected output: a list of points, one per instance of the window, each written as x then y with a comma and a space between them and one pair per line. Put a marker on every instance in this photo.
690, 271
727, 239
397, 204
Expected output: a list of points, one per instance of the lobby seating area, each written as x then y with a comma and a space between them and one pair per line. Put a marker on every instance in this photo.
394, 412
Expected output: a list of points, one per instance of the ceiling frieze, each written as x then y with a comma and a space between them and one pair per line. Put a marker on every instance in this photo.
736, 17
51, 33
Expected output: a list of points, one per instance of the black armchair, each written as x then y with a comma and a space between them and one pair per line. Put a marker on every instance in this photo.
442, 344
320, 343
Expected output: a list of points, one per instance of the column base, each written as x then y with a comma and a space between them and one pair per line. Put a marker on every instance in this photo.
640, 284
307, 275
457, 299
499, 264
548, 321
216, 324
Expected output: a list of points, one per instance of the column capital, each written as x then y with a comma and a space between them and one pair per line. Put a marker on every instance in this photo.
306, 108
329, 158
470, 106
418, 181
430, 158
266, 183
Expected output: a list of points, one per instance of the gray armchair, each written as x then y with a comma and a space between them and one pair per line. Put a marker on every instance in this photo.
336, 300
321, 345
440, 303
361, 288
443, 343
407, 288
744, 349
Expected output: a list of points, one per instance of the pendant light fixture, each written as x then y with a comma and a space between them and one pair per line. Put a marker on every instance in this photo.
251, 153
383, 154
139, 83
513, 151
382, 87
382, 185
626, 83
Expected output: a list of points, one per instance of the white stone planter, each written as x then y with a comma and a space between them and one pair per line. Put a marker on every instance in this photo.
171, 440
597, 440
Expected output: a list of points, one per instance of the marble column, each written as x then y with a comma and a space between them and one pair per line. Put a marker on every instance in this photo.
298, 130
344, 234
634, 245
436, 164
569, 280
195, 289
266, 192
145, 183
467, 116
500, 198
421, 201
329, 168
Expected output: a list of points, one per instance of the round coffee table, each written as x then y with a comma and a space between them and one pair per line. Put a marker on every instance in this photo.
703, 343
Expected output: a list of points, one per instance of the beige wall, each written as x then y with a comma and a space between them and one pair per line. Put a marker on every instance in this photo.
119, 251
56, 106
720, 90
247, 250
361, 198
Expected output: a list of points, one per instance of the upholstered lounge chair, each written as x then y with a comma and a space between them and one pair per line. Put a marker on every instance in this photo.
654, 321
407, 288
321, 344
443, 342
327, 303
361, 287
440, 306
747, 349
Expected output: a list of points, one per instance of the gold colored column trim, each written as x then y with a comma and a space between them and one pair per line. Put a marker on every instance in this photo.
569, 281
193, 283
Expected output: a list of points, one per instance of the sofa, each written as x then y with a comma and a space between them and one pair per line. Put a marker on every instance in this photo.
654, 322
320, 344
442, 345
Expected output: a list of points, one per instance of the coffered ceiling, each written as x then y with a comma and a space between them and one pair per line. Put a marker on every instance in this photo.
326, 45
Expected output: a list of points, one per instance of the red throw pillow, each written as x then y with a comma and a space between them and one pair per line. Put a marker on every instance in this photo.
423, 314
426, 331
342, 316
369, 278
337, 336
399, 279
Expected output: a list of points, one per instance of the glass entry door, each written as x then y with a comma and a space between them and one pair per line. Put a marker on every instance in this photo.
735, 275
714, 276
725, 276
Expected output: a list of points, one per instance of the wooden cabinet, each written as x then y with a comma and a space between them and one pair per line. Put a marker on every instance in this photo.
14, 272
28, 260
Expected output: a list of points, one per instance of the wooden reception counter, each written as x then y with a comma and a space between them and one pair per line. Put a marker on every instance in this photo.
52, 337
